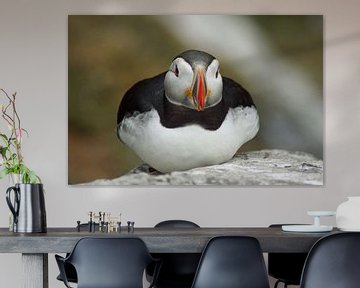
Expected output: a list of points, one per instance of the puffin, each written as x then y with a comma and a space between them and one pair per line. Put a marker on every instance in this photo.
189, 116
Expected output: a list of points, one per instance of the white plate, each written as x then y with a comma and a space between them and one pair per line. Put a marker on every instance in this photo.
321, 213
306, 228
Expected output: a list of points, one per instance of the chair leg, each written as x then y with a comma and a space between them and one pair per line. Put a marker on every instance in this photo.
279, 281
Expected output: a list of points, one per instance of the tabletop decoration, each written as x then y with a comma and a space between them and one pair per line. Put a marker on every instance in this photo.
11, 158
25, 197
315, 227
348, 214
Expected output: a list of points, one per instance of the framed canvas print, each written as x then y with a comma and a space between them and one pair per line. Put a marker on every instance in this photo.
195, 100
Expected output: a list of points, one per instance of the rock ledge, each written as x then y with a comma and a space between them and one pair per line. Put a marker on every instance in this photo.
264, 167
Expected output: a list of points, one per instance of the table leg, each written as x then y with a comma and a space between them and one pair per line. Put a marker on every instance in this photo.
35, 270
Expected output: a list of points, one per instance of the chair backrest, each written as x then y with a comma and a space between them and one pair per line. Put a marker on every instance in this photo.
333, 262
110, 262
178, 269
176, 224
232, 262
287, 267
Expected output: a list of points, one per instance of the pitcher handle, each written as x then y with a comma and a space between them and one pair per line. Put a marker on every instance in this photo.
13, 208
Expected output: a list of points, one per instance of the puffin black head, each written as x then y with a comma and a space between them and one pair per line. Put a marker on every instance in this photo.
194, 80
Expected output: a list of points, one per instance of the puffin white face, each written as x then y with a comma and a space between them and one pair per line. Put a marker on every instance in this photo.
193, 87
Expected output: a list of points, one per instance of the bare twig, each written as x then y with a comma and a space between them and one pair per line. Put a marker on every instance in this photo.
10, 152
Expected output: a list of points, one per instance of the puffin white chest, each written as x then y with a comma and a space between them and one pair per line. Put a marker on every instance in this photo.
183, 148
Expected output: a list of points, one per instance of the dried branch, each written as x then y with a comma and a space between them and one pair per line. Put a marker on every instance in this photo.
10, 152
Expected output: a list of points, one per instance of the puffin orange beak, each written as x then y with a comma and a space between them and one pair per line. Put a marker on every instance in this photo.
199, 89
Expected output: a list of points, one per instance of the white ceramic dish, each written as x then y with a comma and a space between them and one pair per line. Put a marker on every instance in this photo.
306, 228
316, 227
348, 214
321, 213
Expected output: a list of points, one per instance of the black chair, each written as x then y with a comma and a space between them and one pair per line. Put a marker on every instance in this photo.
108, 263
286, 267
70, 273
333, 262
69, 269
178, 269
232, 262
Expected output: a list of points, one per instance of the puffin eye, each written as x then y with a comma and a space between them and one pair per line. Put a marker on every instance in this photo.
176, 71
217, 73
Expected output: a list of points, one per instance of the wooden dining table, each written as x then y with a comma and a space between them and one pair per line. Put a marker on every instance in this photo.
35, 247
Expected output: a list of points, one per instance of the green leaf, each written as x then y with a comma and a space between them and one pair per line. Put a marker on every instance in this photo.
26, 132
15, 169
3, 151
13, 156
28, 176
5, 138
33, 177
4, 173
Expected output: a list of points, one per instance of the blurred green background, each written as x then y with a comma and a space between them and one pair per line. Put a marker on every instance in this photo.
278, 59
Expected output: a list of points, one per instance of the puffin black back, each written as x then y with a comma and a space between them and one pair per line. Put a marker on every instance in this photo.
234, 95
142, 97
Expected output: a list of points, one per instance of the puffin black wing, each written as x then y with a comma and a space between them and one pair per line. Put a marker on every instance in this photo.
142, 97
234, 95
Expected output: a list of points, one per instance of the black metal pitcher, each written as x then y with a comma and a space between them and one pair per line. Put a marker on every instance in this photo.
28, 207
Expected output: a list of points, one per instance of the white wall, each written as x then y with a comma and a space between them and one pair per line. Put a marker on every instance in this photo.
33, 62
